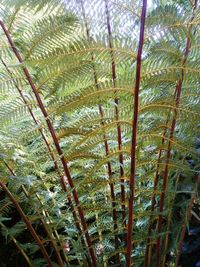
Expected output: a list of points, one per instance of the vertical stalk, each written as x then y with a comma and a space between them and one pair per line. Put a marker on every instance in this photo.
119, 132
165, 176
148, 252
9, 168
109, 167
178, 92
47, 231
134, 135
28, 224
153, 202
56, 143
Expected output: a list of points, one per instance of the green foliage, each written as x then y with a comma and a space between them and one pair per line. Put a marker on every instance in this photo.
70, 63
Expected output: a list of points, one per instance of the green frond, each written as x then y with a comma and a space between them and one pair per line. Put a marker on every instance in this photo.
83, 61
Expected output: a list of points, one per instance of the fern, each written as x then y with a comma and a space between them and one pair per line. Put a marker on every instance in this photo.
91, 185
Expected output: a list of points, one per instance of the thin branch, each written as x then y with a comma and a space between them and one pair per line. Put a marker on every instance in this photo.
109, 167
148, 252
119, 132
134, 135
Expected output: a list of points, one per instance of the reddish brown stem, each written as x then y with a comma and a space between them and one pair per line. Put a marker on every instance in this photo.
63, 182
153, 202
119, 132
178, 92
28, 224
164, 187
56, 143
109, 167
134, 135
112, 192
147, 264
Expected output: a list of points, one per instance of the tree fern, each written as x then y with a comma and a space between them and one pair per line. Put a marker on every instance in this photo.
67, 97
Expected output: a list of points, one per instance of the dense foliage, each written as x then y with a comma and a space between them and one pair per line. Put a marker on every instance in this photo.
99, 133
